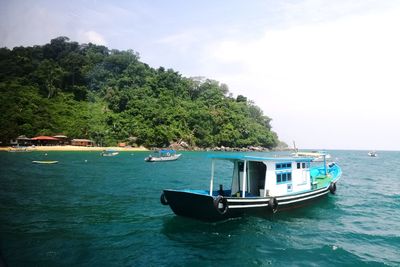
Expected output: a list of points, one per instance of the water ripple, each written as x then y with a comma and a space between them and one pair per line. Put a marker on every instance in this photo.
106, 212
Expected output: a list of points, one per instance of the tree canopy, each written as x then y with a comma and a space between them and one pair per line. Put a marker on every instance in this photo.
110, 96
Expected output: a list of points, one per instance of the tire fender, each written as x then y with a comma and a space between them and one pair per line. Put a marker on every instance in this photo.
332, 188
163, 199
273, 204
221, 204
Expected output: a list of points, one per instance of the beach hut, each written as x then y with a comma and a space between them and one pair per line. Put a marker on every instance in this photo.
21, 140
43, 140
122, 144
82, 142
63, 139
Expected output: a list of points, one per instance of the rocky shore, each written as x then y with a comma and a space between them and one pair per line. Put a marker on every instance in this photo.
182, 145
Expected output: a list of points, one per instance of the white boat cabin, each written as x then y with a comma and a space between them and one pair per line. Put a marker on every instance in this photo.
265, 177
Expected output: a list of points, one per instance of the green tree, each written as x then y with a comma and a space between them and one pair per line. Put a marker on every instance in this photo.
49, 75
90, 91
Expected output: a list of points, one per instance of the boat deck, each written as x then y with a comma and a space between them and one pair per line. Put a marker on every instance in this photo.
322, 180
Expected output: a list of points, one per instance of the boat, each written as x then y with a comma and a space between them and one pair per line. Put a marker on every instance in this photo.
109, 153
372, 154
20, 149
163, 155
257, 184
316, 156
45, 161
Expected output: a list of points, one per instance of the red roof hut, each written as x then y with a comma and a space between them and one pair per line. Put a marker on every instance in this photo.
43, 140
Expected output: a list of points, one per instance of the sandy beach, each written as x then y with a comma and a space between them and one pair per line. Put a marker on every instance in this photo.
77, 148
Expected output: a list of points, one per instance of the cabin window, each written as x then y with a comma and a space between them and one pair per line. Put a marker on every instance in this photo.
283, 177
280, 166
303, 165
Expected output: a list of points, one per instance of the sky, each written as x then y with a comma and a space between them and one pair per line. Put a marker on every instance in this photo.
326, 72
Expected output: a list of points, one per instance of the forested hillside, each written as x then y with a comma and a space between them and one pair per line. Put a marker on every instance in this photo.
110, 96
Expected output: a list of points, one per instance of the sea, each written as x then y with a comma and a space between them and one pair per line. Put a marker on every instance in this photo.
90, 210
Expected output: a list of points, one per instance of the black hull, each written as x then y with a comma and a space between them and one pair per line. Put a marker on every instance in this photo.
196, 206
204, 207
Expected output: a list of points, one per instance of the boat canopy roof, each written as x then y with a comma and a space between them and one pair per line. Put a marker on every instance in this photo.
258, 158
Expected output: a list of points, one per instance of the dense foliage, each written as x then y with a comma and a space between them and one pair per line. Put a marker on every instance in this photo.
110, 96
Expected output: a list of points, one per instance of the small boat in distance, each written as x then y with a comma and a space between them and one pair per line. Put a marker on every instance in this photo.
20, 149
163, 155
316, 156
45, 161
109, 153
257, 185
372, 154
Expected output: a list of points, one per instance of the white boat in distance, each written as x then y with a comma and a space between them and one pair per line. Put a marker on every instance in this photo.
45, 161
20, 149
316, 156
163, 155
109, 153
372, 154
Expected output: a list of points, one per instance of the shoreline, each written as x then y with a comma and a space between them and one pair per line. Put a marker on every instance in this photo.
76, 148
67, 148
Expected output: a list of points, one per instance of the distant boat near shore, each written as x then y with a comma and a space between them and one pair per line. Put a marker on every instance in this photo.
163, 155
20, 149
372, 154
109, 153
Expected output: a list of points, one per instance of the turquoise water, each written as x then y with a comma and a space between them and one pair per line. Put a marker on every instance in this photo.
90, 210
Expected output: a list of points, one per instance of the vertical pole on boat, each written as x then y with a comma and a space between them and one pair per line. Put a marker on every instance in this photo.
212, 177
324, 155
248, 185
265, 181
244, 179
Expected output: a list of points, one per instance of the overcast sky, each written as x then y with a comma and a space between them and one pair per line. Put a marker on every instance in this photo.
326, 72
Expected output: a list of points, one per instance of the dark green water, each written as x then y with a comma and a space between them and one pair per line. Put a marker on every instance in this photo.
106, 212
